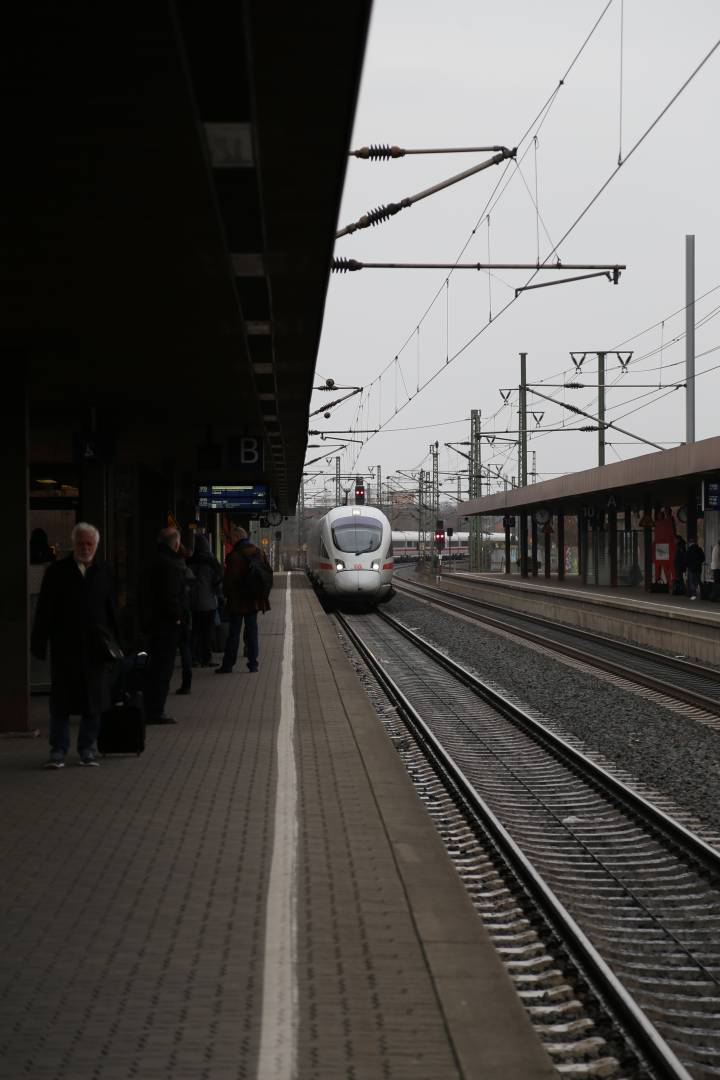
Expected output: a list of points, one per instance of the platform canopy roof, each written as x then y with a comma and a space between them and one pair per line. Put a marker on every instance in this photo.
665, 478
172, 179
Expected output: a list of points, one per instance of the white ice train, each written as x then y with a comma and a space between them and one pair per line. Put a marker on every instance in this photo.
350, 555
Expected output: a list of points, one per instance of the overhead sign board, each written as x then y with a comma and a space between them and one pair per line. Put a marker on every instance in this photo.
711, 495
253, 497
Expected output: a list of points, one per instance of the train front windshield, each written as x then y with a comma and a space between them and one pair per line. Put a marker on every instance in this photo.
357, 535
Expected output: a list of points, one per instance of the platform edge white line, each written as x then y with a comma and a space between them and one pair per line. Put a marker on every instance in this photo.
277, 1057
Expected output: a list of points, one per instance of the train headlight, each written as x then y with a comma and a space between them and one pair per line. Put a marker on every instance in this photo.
339, 565
375, 565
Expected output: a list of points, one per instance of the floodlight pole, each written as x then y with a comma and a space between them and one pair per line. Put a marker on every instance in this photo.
690, 338
337, 481
601, 408
522, 447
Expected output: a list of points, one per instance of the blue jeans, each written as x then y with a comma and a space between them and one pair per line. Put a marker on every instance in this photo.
232, 645
60, 734
693, 581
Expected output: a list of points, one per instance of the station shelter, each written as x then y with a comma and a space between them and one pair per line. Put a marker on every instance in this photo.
616, 524
170, 200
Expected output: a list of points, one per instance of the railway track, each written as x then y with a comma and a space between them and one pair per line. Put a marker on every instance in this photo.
629, 898
674, 677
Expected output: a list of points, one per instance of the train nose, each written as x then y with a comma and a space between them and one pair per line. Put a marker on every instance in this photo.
352, 582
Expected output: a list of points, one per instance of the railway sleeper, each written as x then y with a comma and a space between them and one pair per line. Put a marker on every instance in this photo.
593, 1070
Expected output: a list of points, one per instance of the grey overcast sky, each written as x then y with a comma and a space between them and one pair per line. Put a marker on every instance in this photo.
472, 73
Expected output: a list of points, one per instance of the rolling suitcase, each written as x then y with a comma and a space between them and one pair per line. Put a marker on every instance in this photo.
122, 727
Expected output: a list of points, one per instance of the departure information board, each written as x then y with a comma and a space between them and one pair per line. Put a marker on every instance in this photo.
252, 497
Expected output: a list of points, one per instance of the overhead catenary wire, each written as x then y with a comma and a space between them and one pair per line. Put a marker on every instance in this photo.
589, 205
622, 27
539, 119
503, 179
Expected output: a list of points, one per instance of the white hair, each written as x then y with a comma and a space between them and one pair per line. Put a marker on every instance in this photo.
168, 536
84, 526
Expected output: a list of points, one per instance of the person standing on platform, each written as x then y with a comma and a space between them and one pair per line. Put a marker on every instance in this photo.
715, 563
695, 558
679, 567
40, 551
209, 575
244, 567
164, 613
185, 642
75, 607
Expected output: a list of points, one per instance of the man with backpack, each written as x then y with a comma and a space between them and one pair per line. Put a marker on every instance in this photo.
246, 585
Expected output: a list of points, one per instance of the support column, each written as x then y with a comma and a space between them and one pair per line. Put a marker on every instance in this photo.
523, 544
93, 500
647, 550
561, 545
185, 502
548, 551
534, 545
612, 541
14, 625
583, 544
691, 504
507, 543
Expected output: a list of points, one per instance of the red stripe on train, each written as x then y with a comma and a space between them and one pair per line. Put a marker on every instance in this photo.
326, 566
389, 566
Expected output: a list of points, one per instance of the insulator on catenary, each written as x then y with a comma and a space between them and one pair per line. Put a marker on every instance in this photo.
341, 266
379, 214
378, 153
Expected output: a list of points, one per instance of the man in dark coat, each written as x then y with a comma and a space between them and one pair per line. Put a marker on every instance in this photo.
694, 557
76, 599
165, 608
209, 576
239, 604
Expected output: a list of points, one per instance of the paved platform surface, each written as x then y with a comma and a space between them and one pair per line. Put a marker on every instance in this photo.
572, 587
259, 895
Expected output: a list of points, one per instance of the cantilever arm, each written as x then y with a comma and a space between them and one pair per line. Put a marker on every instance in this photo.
382, 213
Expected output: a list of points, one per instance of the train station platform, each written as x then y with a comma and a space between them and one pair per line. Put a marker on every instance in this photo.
673, 624
259, 895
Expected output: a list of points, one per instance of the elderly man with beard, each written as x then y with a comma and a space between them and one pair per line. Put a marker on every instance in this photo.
75, 611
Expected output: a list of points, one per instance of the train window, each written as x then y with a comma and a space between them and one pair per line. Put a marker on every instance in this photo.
357, 534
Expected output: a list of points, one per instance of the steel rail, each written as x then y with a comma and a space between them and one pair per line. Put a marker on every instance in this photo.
695, 847
629, 1015
613, 667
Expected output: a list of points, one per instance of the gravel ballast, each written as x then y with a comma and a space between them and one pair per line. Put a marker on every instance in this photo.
678, 756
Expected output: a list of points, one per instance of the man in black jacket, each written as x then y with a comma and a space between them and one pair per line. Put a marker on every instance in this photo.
165, 613
76, 601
